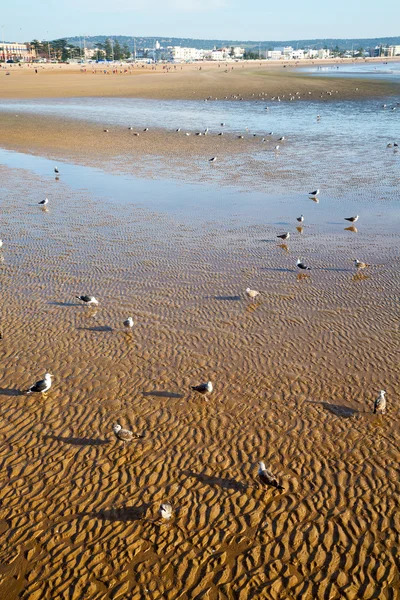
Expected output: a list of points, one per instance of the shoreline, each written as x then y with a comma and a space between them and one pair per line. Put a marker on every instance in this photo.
247, 80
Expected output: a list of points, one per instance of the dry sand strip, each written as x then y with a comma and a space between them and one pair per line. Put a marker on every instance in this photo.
245, 80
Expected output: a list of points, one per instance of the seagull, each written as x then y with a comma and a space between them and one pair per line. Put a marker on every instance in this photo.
88, 299
301, 265
1, 243
146, 129
41, 386
178, 130
352, 219
300, 219
380, 403
277, 147
221, 133
166, 511
314, 193
252, 293
128, 323
284, 236
281, 139
203, 388
389, 145
105, 130
213, 159
222, 124
44, 202
267, 478
56, 170
125, 435
360, 265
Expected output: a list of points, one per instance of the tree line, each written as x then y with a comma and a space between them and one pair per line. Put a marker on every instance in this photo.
62, 50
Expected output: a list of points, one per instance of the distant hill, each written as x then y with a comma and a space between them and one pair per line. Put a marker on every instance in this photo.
149, 42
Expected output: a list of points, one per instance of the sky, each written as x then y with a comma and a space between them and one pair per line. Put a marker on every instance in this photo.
206, 19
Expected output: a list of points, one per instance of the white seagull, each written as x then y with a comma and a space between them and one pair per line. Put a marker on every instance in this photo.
125, 435
314, 193
128, 323
352, 219
41, 386
203, 388
166, 511
56, 170
284, 236
252, 293
360, 265
213, 159
267, 478
380, 403
87, 299
1, 243
300, 219
44, 202
301, 265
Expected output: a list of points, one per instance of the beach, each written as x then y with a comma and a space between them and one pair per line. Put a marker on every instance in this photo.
154, 231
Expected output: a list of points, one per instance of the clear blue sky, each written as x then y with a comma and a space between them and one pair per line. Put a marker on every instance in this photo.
24, 20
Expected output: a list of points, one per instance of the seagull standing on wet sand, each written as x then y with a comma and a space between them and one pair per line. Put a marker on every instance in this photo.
267, 478
87, 299
314, 193
43, 202
42, 386
360, 265
56, 171
213, 159
380, 403
125, 435
128, 323
284, 236
301, 265
252, 293
1, 243
203, 388
165, 511
352, 219
300, 219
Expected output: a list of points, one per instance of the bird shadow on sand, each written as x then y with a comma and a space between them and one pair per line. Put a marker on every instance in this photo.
279, 269
226, 484
97, 328
337, 409
78, 441
163, 394
65, 303
123, 513
11, 392
229, 298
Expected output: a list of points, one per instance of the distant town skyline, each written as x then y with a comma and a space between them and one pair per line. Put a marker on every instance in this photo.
205, 19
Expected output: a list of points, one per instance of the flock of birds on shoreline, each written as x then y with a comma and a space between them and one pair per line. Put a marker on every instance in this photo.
265, 476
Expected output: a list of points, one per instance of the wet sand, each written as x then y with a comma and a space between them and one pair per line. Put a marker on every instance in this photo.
295, 373
246, 80
295, 376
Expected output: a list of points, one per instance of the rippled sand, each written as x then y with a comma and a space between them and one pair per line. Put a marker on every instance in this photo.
295, 375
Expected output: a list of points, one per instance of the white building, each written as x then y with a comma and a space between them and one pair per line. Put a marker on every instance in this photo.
323, 53
16, 51
274, 55
180, 54
238, 52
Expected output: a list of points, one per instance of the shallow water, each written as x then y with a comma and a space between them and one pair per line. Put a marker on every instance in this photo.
388, 71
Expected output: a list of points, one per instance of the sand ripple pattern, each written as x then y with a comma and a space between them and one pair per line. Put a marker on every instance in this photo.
295, 375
